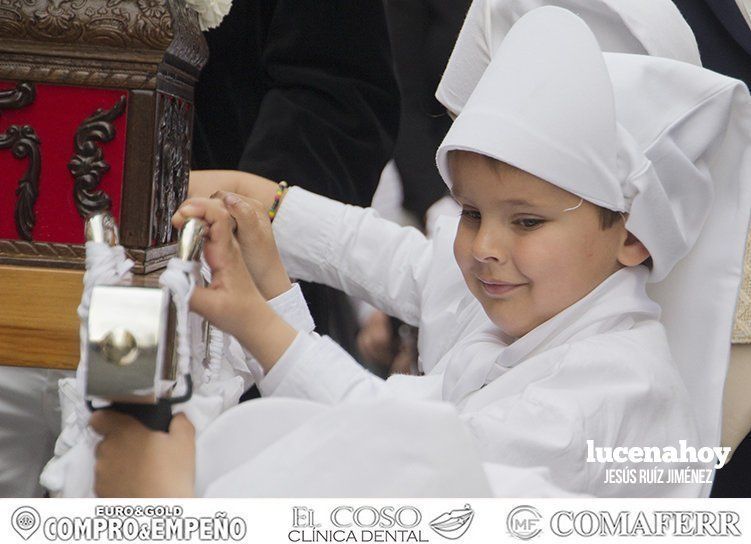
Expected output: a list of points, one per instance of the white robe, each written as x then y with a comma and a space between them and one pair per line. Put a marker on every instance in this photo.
600, 370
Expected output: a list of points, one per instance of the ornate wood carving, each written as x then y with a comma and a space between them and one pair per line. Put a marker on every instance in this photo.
113, 43
23, 143
48, 252
78, 74
88, 164
172, 163
143, 24
23, 95
21, 252
152, 49
188, 43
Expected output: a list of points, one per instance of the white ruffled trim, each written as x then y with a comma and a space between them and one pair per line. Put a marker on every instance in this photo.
70, 473
210, 12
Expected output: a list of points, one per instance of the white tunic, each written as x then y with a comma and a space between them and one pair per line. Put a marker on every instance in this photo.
600, 370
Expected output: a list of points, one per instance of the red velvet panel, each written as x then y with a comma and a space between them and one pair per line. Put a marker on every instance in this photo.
55, 115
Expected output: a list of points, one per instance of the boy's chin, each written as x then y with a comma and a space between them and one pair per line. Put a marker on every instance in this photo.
509, 326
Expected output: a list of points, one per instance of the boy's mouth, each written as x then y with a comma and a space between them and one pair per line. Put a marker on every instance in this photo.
497, 288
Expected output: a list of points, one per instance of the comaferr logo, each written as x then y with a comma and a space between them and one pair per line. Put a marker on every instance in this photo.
525, 522
640, 523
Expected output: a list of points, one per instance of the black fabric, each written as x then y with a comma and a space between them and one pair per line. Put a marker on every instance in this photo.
423, 33
722, 34
733, 479
301, 90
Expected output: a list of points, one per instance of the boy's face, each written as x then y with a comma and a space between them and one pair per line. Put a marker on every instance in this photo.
522, 256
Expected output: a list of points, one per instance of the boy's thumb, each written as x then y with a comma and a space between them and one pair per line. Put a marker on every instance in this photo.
231, 200
236, 207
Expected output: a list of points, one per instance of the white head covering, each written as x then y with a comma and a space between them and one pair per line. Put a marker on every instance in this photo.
652, 27
665, 141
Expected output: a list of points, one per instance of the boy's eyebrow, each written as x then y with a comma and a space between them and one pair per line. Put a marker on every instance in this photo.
511, 202
518, 202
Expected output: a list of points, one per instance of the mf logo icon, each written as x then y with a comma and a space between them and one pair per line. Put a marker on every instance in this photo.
524, 522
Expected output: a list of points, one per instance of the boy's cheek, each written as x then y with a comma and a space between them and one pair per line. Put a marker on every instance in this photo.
460, 248
463, 248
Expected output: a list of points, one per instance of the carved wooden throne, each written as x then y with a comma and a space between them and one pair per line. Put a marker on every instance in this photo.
96, 112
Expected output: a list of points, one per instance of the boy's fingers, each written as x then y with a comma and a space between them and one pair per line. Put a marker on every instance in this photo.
237, 208
221, 233
178, 219
191, 207
247, 211
223, 196
213, 211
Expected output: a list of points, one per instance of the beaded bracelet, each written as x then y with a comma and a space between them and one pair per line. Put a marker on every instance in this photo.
283, 186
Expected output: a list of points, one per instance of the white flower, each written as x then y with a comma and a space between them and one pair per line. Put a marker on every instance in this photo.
210, 12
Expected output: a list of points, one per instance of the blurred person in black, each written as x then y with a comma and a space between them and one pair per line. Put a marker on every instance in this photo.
423, 33
302, 91
723, 33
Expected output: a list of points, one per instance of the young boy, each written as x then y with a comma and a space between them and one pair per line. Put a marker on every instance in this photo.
570, 204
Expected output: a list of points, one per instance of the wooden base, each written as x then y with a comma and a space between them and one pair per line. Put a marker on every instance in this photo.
38, 320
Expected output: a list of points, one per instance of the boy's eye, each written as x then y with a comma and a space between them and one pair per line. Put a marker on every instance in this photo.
471, 215
529, 223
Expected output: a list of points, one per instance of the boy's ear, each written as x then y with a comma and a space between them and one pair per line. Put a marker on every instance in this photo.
632, 251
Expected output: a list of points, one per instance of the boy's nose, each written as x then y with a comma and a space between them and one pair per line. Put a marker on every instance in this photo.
488, 246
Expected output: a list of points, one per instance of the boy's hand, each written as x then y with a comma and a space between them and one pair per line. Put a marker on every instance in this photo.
204, 183
233, 302
232, 295
134, 461
257, 245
